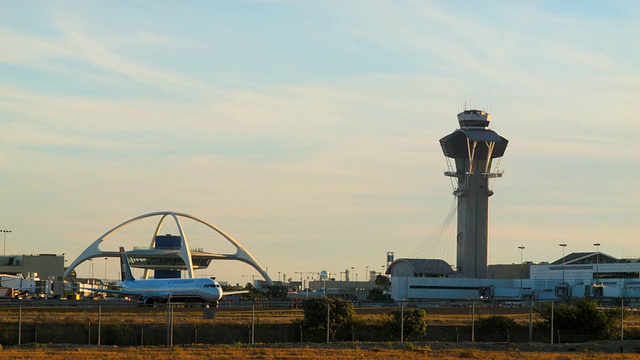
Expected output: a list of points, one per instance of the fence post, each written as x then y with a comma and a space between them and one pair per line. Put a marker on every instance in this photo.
551, 322
168, 331
531, 321
253, 321
171, 307
621, 319
20, 326
473, 321
99, 322
328, 311
402, 321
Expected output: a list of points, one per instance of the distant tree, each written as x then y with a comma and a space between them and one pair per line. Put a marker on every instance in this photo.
341, 313
377, 294
277, 292
383, 282
232, 287
254, 293
415, 322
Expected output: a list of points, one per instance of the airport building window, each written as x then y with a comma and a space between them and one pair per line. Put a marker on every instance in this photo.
617, 275
444, 287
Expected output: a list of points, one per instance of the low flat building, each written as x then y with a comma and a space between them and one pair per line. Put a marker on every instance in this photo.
44, 266
577, 275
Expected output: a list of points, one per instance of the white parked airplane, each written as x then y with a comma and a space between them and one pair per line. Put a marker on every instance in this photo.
150, 291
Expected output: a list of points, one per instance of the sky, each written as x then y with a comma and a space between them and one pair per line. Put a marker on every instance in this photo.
308, 130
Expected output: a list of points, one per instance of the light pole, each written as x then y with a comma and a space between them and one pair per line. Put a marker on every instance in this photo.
521, 265
597, 245
563, 245
91, 268
105, 269
356, 286
366, 278
301, 283
308, 284
350, 276
5, 240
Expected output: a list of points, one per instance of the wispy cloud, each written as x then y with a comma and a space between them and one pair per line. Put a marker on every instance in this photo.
341, 148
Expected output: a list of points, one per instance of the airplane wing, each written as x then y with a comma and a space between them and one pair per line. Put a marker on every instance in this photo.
227, 293
146, 294
111, 291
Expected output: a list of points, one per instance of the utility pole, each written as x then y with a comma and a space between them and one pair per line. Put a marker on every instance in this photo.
563, 245
552, 322
521, 276
5, 241
597, 245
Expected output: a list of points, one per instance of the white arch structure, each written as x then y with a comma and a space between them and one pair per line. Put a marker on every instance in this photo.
94, 251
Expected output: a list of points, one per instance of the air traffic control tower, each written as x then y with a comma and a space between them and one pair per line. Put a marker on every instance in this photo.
473, 147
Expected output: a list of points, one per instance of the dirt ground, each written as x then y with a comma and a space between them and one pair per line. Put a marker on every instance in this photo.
602, 347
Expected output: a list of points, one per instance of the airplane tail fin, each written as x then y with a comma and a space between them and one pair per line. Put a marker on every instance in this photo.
125, 268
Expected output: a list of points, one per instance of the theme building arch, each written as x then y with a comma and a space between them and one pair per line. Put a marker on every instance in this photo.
184, 253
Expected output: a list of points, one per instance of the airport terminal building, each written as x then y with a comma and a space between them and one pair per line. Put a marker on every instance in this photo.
577, 275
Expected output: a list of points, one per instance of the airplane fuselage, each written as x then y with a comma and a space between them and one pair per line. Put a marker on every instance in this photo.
207, 290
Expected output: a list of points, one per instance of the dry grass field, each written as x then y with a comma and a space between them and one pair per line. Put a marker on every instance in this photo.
319, 351
138, 315
629, 349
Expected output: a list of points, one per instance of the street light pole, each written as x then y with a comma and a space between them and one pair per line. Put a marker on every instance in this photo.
356, 286
5, 240
105, 269
563, 245
301, 283
597, 245
366, 278
521, 265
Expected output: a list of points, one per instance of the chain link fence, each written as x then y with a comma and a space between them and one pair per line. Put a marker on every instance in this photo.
267, 321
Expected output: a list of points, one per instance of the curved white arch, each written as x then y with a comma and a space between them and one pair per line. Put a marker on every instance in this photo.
241, 254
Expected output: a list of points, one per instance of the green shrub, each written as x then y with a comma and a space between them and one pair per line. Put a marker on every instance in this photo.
415, 322
341, 313
496, 324
583, 317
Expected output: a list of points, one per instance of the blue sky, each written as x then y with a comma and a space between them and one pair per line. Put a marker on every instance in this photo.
309, 130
